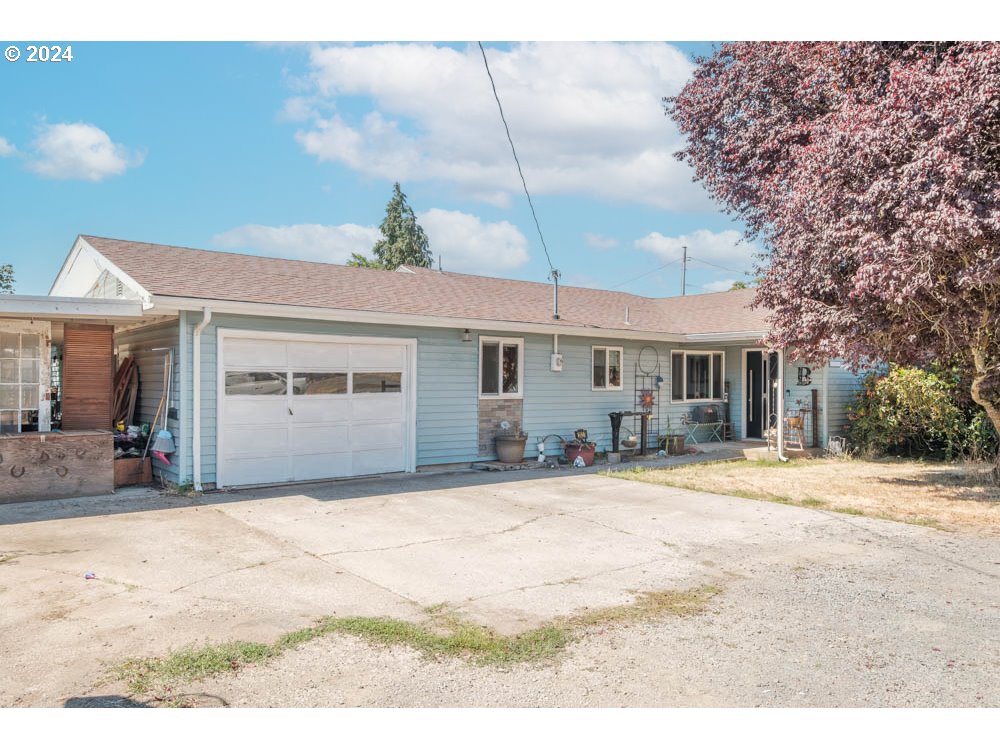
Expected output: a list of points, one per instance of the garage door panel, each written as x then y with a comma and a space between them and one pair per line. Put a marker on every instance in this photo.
321, 439
380, 461
257, 353
321, 466
376, 406
320, 409
375, 435
254, 410
309, 354
257, 470
258, 441
377, 356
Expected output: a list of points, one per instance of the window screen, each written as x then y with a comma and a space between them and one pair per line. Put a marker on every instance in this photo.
491, 368
600, 367
677, 376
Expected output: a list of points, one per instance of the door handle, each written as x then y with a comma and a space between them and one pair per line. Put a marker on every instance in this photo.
290, 411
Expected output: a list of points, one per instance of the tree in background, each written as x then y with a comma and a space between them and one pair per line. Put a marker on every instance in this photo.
739, 285
871, 173
403, 240
6, 279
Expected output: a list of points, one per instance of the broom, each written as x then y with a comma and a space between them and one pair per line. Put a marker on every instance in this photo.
164, 442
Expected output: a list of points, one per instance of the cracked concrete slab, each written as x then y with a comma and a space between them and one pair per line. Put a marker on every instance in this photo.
508, 551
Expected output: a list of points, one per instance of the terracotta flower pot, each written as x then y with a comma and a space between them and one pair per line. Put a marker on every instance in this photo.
585, 451
510, 448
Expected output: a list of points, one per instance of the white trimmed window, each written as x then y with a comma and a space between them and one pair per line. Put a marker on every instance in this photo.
501, 367
606, 368
697, 376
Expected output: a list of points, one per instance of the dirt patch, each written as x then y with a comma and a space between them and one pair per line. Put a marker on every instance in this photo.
444, 635
946, 496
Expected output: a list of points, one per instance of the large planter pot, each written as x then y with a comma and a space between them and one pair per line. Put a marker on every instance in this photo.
586, 452
510, 449
675, 445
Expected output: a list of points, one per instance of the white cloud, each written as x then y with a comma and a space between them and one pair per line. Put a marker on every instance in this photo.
6, 147
465, 242
725, 248
599, 241
586, 118
319, 242
80, 151
719, 286
469, 245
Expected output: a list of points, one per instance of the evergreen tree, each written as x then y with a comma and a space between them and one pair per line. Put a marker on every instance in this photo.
6, 279
403, 239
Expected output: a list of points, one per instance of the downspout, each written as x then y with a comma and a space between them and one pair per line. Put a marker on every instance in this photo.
825, 442
781, 406
196, 398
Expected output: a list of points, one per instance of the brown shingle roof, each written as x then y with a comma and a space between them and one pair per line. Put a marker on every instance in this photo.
171, 271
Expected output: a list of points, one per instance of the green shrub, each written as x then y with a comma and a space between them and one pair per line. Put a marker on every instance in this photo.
914, 412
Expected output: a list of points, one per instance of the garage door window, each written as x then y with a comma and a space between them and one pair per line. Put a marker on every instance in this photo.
319, 383
256, 383
377, 382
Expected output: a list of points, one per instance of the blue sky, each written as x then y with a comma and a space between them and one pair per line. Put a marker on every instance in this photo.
291, 150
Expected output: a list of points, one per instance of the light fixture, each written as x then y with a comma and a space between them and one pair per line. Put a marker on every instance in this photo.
466, 336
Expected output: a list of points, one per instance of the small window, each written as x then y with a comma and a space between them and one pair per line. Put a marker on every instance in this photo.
607, 368
319, 383
377, 382
256, 383
697, 376
500, 365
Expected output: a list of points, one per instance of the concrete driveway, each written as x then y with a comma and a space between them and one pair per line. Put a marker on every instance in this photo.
509, 550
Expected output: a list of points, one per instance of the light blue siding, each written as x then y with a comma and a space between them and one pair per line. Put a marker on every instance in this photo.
447, 395
447, 399
143, 344
843, 386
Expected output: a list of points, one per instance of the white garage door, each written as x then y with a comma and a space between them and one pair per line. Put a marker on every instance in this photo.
311, 409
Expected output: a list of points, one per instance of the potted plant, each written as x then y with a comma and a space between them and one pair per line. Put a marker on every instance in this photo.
510, 444
581, 448
673, 441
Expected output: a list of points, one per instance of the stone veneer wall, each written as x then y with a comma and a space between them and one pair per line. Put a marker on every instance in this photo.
493, 411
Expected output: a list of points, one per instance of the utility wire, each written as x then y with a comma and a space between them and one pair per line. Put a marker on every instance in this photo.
716, 265
516, 160
645, 273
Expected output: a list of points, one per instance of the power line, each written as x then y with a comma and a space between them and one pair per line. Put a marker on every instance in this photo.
715, 265
516, 160
644, 273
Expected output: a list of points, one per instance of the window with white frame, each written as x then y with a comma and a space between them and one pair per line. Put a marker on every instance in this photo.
697, 376
606, 369
501, 366
20, 381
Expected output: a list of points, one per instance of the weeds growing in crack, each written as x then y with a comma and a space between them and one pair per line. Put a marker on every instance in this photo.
444, 635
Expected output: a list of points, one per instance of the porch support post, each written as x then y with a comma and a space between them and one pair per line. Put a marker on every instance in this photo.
780, 408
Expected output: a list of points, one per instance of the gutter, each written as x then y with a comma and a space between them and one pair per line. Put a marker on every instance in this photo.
781, 407
165, 305
196, 397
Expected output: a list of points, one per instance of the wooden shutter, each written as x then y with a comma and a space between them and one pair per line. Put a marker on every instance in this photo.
88, 372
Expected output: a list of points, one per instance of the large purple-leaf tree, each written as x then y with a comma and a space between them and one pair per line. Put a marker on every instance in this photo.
870, 172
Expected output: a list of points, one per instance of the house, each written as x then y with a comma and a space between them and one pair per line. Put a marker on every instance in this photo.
292, 370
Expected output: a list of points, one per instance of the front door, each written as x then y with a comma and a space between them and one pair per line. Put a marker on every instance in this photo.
755, 390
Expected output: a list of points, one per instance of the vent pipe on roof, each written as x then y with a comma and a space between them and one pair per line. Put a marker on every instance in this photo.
628, 322
555, 293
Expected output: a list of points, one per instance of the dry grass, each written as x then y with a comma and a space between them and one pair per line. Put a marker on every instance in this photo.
951, 496
445, 635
